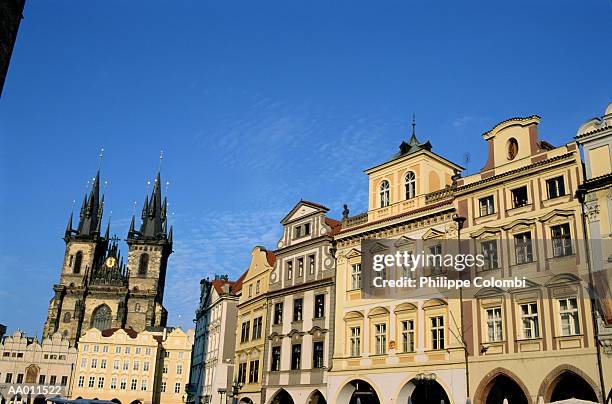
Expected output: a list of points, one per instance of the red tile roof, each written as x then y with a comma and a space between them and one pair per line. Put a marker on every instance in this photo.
219, 283
271, 257
315, 204
335, 225
129, 331
238, 284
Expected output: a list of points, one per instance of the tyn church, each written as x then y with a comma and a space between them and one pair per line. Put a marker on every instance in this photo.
97, 288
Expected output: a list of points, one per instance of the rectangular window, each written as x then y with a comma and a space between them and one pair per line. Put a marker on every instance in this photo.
127, 349
123, 384
306, 229
434, 260
487, 205
523, 248
9, 378
163, 386
300, 263
81, 382
242, 370
555, 187
290, 270
126, 365
297, 309
408, 335
115, 365
147, 351
133, 384
145, 366
105, 348
311, 264
244, 336
355, 341
117, 349
83, 363
250, 290
85, 348
257, 286
494, 324
103, 364
96, 348
380, 337
489, 252
276, 358
113, 384
254, 371
166, 354
356, 276
278, 313
297, 233
100, 382
437, 332
20, 378
568, 310
165, 369
257, 324
64, 381
319, 308
177, 388
562, 240
179, 369
138, 350
317, 354
529, 317
519, 197
296, 356
143, 385
94, 363
91, 382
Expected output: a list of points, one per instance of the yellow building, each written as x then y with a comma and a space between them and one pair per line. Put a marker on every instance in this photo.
595, 138
130, 367
534, 342
392, 349
251, 324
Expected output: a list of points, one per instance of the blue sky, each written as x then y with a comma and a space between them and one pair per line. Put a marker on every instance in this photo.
259, 104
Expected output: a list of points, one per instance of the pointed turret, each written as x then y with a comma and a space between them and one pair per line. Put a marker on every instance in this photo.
170, 235
91, 212
154, 210
68, 232
107, 233
131, 231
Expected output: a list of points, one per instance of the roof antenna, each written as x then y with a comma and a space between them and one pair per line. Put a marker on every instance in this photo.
134, 208
413, 124
161, 158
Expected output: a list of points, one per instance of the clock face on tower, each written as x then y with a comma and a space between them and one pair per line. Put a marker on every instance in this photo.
110, 262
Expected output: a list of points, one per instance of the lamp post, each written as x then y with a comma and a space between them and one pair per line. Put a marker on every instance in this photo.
222, 391
426, 379
236, 386
460, 220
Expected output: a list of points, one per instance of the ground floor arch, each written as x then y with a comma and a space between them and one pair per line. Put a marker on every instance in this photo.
40, 399
566, 382
423, 391
358, 391
501, 388
316, 397
282, 397
245, 400
116, 400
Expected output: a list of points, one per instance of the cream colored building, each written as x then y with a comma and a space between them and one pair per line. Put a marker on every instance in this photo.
131, 367
535, 342
31, 371
250, 327
390, 350
595, 138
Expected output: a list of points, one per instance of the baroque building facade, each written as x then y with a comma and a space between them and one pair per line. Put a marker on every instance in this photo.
126, 366
395, 349
300, 328
96, 287
32, 371
214, 346
251, 321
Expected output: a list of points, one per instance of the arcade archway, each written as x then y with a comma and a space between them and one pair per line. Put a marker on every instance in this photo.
358, 392
570, 385
316, 397
282, 397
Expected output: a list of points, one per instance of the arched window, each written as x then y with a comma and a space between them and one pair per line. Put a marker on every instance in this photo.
143, 265
32, 374
67, 317
101, 318
384, 194
77, 262
410, 183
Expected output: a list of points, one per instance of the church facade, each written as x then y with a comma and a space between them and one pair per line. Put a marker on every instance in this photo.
97, 286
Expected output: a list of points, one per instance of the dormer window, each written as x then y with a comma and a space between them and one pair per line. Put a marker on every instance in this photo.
384, 194
410, 183
512, 148
302, 230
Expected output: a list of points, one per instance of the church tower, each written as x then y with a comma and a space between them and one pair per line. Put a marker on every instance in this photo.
96, 288
149, 249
